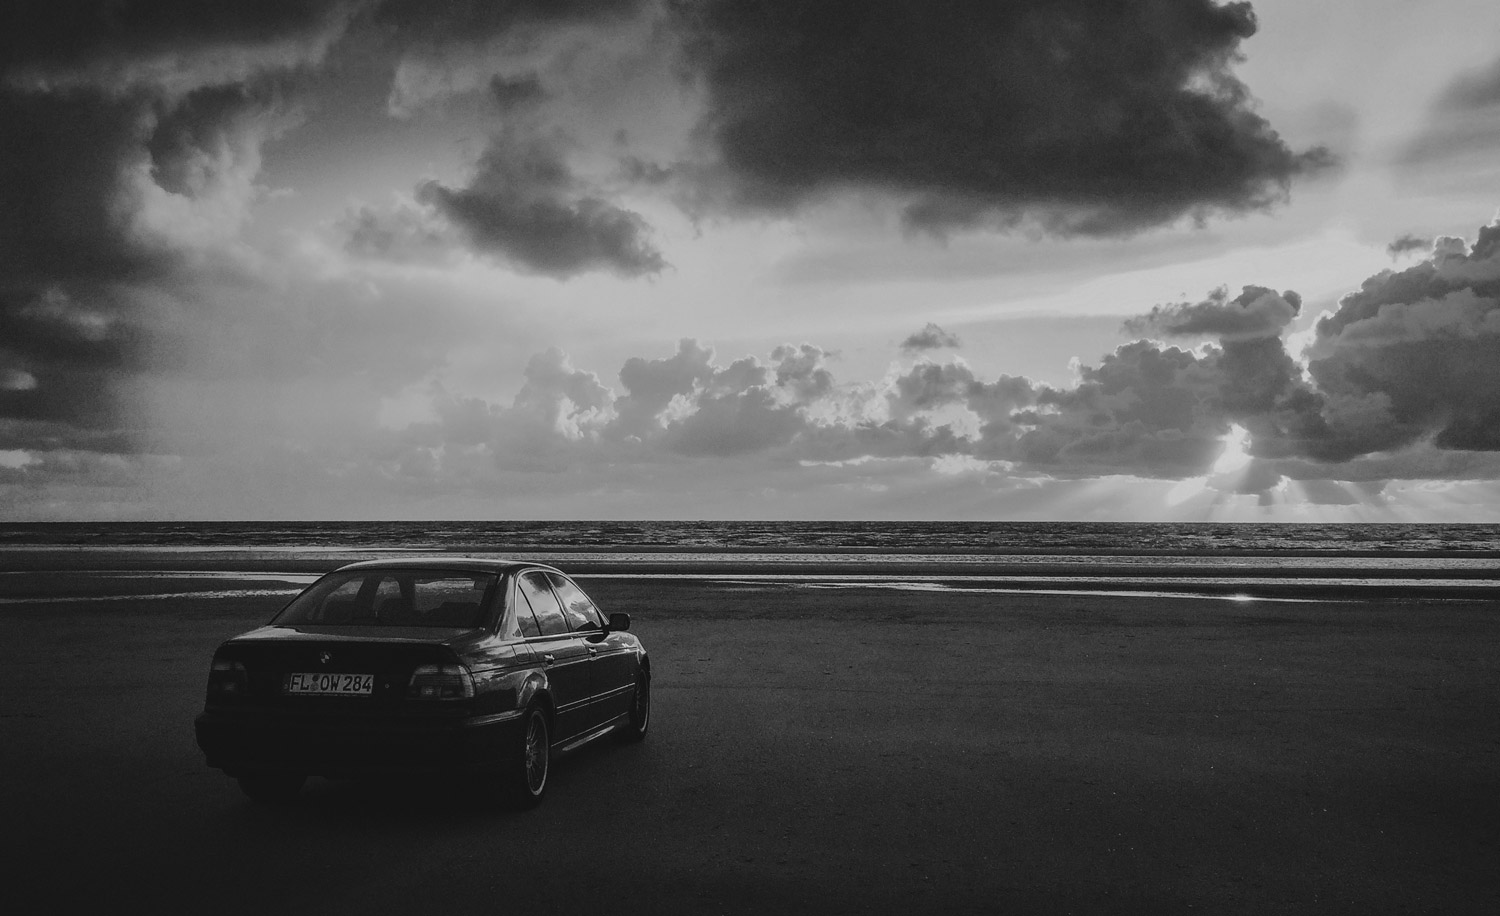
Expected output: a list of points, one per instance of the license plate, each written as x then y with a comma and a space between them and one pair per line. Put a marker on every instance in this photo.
329, 684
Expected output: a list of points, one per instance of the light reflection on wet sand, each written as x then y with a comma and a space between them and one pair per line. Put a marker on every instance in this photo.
109, 585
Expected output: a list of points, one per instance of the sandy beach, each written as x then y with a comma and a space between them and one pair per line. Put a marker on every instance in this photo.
840, 750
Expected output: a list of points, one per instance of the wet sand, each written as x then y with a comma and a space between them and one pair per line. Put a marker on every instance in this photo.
815, 751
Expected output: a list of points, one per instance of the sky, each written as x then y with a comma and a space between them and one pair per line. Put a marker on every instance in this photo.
679, 259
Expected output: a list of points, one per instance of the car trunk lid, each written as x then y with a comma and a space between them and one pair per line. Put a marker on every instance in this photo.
273, 656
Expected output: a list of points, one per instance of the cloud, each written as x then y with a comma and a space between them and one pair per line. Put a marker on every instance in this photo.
543, 196
460, 21
1416, 353
1255, 312
191, 141
571, 402
1079, 118
688, 405
515, 92
172, 46
1479, 89
1144, 409
786, 408
651, 386
130, 170
1407, 364
525, 205
133, 137
402, 231
931, 337
679, 423
65, 197
509, 49
554, 422
86, 233
1406, 244
1463, 124
154, 339
802, 371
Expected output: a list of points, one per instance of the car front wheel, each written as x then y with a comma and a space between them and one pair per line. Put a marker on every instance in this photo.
640, 710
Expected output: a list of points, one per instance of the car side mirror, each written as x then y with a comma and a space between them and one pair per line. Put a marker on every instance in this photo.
619, 620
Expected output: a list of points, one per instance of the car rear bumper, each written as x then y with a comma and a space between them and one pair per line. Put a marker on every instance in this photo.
241, 741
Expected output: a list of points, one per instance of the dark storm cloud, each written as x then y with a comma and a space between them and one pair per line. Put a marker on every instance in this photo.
1255, 312
1416, 353
476, 20
63, 206
930, 337
63, 356
56, 327
76, 33
132, 141
1409, 361
525, 205
49, 436
67, 244
1144, 409
79, 254
188, 136
72, 405
110, 111
1089, 118
516, 92
1406, 244
1162, 411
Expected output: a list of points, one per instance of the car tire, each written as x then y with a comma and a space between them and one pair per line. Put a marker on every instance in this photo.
523, 779
271, 788
635, 727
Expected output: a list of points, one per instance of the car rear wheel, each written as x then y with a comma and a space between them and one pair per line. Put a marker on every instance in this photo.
271, 788
523, 781
640, 710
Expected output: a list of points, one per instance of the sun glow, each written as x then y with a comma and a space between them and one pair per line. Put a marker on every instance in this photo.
1235, 455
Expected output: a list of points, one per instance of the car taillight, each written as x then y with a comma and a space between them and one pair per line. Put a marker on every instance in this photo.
227, 676
440, 682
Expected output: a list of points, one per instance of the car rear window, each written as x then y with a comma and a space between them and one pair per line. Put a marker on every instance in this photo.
394, 598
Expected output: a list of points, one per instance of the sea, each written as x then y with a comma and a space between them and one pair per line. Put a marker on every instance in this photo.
1231, 561
1019, 538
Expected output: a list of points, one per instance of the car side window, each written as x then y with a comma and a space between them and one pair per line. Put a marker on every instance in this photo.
581, 613
549, 614
341, 605
389, 602
525, 619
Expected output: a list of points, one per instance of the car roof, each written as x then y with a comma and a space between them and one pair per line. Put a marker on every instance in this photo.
465, 564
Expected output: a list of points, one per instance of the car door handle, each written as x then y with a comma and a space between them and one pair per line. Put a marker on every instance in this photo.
548, 657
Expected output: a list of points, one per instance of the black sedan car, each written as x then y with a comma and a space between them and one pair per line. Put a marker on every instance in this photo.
480, 668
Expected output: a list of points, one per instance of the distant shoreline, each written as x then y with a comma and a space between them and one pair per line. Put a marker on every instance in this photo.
64, 563
81, 572
782, 538
737, 550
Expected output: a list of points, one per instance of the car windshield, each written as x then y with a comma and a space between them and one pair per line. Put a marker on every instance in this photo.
394, 598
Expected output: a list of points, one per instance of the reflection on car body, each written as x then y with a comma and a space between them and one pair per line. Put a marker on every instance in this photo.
433, 665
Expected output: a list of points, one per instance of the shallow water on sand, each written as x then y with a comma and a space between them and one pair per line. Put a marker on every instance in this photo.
163, 561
